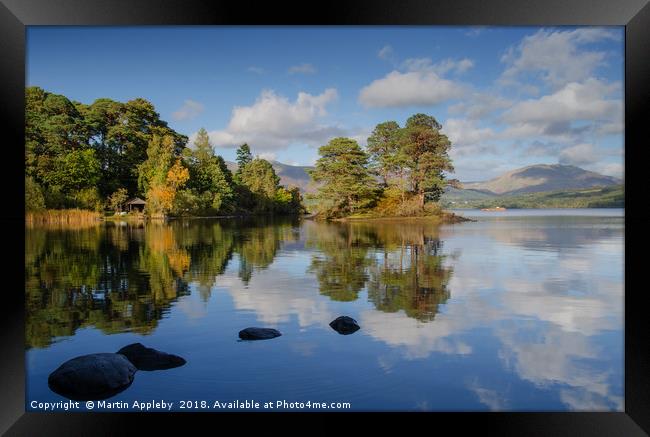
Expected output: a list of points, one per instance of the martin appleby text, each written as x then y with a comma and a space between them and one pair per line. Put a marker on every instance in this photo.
161, 405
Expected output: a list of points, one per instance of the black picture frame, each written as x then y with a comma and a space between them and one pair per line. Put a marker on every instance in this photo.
633, 14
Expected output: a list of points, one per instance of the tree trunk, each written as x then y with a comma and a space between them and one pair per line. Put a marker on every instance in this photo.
421, 201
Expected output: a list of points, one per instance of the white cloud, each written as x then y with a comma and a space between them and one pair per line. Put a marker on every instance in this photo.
557, 55
464, 132
269, 156
614, 169
256, 70
612, 128
441, 68
580, 154
386, 53
419, 83
584, 400
480, 105
568, 114
302, 69
458, 66
274, 122
417, 340
475, 31
412, 88
493, 399
539, 148
189, 110
575, 101
276, 296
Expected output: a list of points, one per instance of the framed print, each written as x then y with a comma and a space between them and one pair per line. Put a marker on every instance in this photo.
423, 208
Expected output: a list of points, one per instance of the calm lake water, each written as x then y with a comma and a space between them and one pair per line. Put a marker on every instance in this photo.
518, 311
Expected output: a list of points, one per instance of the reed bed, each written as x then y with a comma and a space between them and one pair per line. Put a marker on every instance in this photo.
62, 217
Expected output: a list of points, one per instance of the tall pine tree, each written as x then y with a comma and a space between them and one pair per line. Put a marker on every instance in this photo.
346, 184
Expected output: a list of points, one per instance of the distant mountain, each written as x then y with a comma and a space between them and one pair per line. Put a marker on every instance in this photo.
459, 194
531, 179
597, 197
290, 175
540, 178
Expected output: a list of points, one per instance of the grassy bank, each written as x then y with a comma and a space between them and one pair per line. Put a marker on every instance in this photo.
62, 217
125, 217
396, 206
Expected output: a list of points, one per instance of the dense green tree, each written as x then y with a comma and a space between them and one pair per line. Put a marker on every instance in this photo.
160, 157
70, 146
79, 155
88, 198
259, 177
384, 151
288, 201
128, 134
210, 179
244, 157
34, 200
105, 119
117, 199
74, 170
346, 184
426, 151
53, 128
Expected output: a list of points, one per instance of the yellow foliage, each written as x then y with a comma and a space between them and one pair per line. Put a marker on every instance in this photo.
179, 261
397, 203
160, 197
177, 175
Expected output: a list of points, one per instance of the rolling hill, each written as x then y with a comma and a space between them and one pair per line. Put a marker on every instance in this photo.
290, 175
542, 178
612, 196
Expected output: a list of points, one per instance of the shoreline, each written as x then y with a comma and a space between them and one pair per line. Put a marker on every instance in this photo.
444, 218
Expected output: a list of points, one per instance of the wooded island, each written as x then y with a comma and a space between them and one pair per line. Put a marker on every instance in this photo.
84, 160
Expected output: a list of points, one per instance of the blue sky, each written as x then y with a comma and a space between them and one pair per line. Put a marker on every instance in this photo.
506, 96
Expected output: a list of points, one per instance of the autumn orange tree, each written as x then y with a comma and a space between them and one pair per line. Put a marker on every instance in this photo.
160, 197
161, 176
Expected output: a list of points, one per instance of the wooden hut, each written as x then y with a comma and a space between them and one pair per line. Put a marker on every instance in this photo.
135, 204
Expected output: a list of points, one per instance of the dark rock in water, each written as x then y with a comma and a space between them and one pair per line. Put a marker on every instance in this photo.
92, 377
345, 325
145, 358
258, 333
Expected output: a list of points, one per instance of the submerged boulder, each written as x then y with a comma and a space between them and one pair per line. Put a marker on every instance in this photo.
345, 325
145, 358
258, 333
92, 377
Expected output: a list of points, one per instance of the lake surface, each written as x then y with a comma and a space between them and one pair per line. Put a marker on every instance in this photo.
518, 311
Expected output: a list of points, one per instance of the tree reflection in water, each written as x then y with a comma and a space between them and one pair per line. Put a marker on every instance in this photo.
120, 277
399, 262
